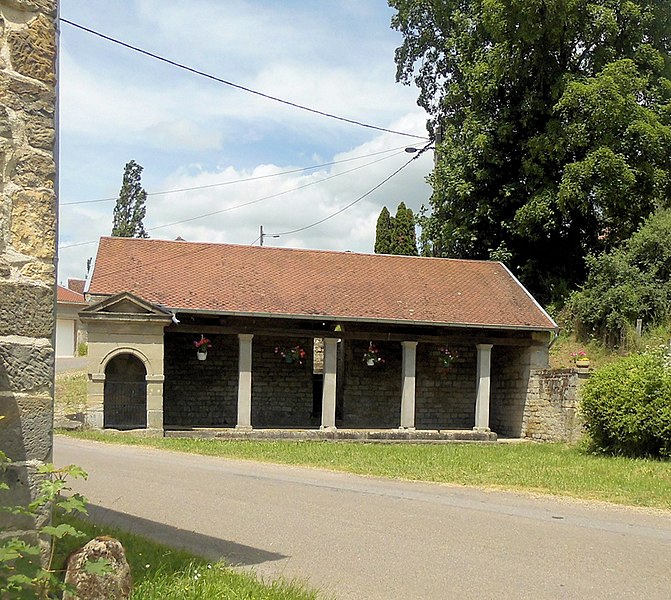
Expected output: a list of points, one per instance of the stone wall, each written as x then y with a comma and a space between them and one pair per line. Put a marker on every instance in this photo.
281, 392
200, 393
27, 243
551, 410
205, 393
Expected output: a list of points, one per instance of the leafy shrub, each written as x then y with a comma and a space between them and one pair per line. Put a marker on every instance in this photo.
630, 282
626, 406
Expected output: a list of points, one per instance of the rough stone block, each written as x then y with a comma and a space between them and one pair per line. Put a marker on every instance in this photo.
33, 49
26, 367
25, 432
36, 169
34, 223
26, 310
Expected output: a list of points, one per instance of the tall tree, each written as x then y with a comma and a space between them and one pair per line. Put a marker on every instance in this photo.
556, 120
383, 232
130, 209
403, 237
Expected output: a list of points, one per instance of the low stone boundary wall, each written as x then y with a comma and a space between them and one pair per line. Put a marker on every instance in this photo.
551, 409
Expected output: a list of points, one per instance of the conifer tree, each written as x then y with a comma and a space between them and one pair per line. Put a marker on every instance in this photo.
404, 239
130, 209
383, 232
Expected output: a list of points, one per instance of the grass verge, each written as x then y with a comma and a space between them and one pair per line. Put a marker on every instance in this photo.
556, 469
160, 572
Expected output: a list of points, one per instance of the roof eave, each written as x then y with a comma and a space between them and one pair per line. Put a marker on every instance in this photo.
329, 317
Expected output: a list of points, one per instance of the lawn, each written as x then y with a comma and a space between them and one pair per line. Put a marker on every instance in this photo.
160, 572
557, 469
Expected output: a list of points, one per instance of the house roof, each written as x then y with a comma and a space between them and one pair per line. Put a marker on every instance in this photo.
281, 282
63, 294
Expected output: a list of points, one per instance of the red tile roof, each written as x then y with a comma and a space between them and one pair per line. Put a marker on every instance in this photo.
269, 281
63, 294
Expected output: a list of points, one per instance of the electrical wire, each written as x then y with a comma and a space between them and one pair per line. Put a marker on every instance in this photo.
379, 185
244, 180
238, 86
248, 203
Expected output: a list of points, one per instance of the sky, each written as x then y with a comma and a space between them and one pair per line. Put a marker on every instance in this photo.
190, 131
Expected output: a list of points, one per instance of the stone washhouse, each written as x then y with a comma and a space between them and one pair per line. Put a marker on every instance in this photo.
331, 344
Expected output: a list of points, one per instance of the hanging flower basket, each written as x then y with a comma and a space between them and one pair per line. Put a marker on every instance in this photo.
447, 357
372, 356
291, 354
201, 347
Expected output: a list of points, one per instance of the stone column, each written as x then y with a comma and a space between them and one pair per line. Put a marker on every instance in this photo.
329, 389
483, 387
408, 387
245, 381
155, 401
27, 248
95, 395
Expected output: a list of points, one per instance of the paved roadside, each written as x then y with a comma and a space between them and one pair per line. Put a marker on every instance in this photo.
374, 539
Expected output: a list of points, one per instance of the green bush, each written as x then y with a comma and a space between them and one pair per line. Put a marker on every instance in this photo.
626, 406
630, 282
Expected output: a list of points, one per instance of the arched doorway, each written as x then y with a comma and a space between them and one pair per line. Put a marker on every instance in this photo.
125, 393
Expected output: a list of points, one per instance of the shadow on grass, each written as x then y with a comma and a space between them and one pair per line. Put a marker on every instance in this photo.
210, 548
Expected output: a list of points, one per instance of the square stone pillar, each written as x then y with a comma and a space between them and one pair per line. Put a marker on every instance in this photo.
155, 401
408, 368
245, 381
483, 387
329, 388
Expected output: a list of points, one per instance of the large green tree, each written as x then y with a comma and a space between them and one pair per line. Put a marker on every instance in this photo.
556, 127
130, 209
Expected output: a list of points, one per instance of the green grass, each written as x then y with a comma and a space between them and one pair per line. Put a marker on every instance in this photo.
70, 392
160, 572
557, 469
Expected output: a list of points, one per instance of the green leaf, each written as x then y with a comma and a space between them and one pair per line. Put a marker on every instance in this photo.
99, 566
61, 530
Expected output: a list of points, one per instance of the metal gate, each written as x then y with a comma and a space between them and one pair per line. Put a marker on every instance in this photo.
125, 404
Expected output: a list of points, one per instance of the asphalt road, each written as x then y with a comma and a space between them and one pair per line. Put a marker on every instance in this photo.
367, 538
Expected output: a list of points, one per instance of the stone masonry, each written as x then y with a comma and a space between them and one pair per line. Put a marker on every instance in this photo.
27, 245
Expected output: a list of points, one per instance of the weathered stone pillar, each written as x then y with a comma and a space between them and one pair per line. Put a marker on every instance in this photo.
408, 368
155, 401
483, 387
245, 381
95, 394
330, 384
27, 246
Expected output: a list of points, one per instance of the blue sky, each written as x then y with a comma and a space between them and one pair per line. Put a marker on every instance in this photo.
188, 131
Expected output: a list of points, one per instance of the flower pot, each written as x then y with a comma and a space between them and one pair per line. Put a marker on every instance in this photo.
370, 362
289, 359
582, 364
201, 354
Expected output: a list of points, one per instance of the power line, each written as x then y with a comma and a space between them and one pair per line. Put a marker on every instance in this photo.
248, 203
379, 185
244, 180
238, 86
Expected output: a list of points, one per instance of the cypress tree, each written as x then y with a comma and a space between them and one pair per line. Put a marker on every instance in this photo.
383, 232
404, 239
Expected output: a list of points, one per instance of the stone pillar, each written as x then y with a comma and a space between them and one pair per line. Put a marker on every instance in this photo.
245, 381
329, 389
408, 386
155, 401
27, 247
95, 394
483, 387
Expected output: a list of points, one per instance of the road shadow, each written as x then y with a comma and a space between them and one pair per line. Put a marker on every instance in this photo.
211, 548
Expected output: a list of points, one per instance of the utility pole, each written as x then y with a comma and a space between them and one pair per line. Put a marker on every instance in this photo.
262, 235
